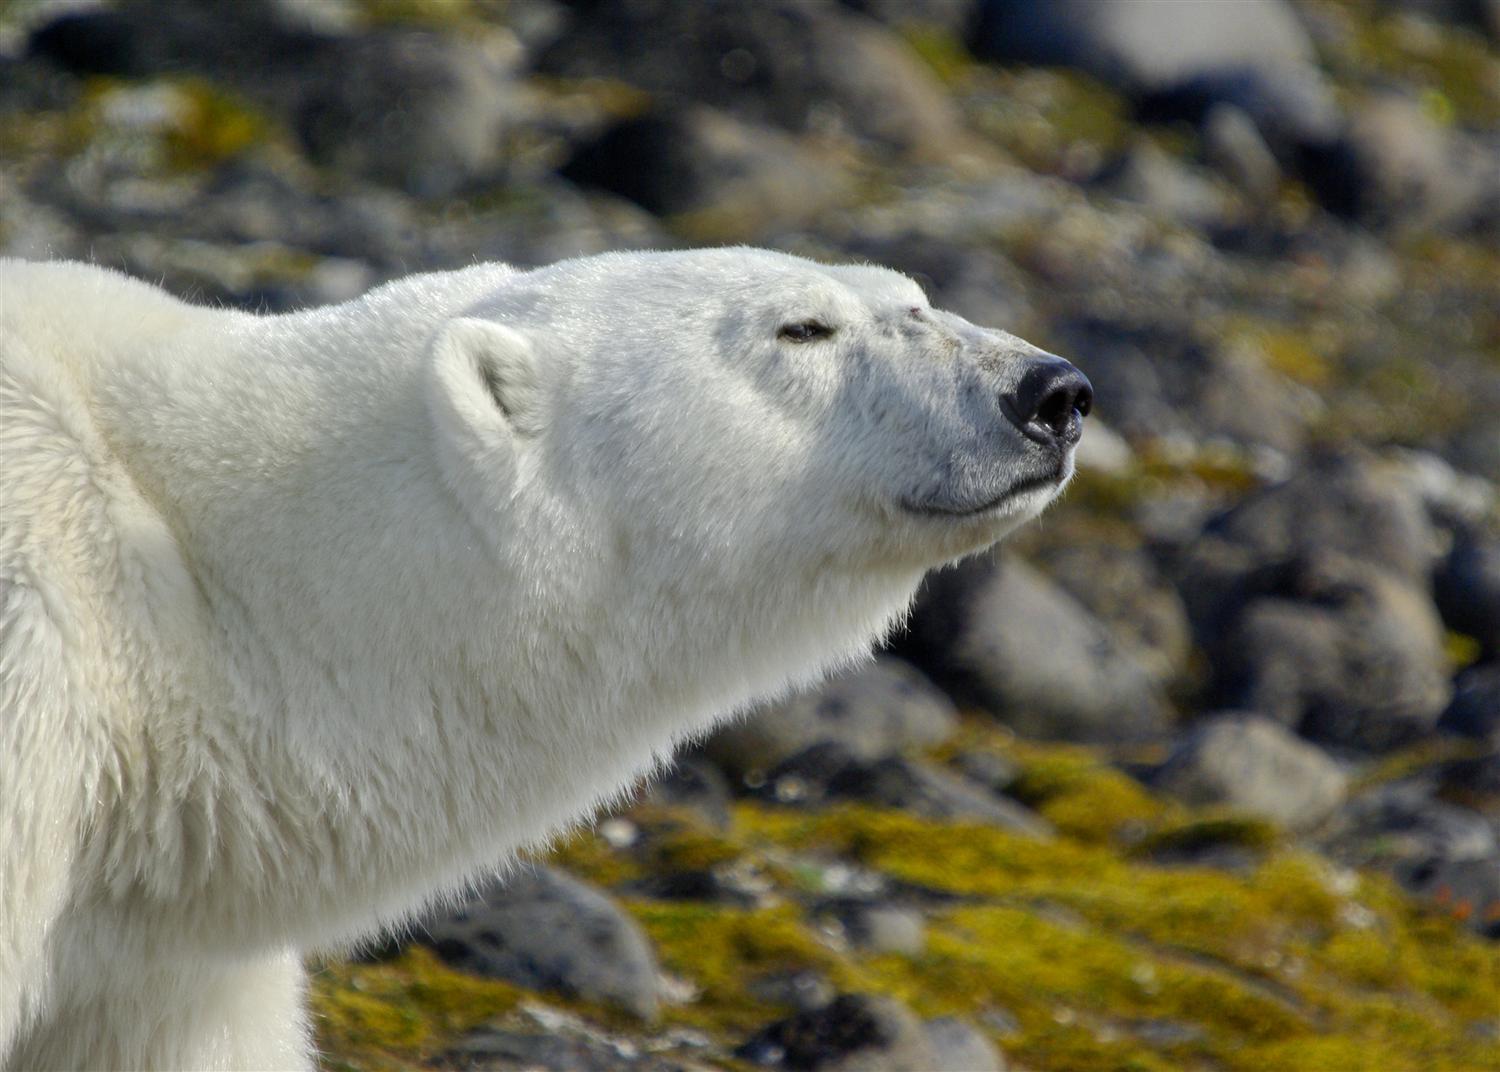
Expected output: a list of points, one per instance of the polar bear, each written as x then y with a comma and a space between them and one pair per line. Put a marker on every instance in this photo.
305, 618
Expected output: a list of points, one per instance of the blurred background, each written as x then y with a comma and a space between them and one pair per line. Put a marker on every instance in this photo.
1199, 772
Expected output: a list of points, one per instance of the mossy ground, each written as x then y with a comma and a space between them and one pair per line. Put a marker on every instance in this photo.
1080, 952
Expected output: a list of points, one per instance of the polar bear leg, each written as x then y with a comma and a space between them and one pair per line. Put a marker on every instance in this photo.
221, 1017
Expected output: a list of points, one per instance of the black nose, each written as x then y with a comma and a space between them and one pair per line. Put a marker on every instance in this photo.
1051, 401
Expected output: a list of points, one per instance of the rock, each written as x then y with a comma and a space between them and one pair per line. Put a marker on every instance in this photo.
545, 930
1473, 783
1348, 653
1163, 185
1124, 587
800, 991
1469, 890
878, 709
853, 1033
1408, 171
421, 111
740, 178
1253, 765
1475, 710
1145, 44
798, 64
1255, 56
1402, 826
1344, 501
998, 634
542, 1039
1234, 145
959, 1046
1167, 380
1467, 587
876, 927
828, 771
696, 785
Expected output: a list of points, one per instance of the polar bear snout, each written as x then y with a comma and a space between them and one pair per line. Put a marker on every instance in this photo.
1050, 401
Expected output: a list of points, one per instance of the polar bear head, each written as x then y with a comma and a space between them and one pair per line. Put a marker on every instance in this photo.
733, 401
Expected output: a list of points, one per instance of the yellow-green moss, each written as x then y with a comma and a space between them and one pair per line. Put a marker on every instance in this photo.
392, 1014
1294, 965
213, 126
722, 950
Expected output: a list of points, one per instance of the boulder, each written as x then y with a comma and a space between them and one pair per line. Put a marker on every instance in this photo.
1343, 650
878, 709
1124, 587
739, 178
1475, 710
826, 771
421, 111
959, 1046
545, 930
998, 634
1467, 587
1191, 54
1253, 764
797, 64
853, 1033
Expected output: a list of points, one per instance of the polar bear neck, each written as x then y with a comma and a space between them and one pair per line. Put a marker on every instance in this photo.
373, 621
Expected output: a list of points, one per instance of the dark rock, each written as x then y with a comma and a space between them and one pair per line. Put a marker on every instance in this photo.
695, 785
1344, 501
998, 634
879, 709
827, 771
1124, 587
1473, 783
1467, 587
744, 179
1468, 889
1254, 765
994, 772
1475, 710
959, 1046
853, 1033
798, 64
546, 930
1341, 649
420, 111
800, 991
551, 1041
1403, 826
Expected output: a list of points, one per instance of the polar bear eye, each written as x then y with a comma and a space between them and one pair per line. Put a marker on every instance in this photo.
805, 331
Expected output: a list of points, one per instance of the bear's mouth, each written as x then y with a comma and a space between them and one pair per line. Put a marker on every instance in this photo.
1020, 487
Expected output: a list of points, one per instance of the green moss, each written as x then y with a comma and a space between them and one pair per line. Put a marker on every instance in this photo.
393, 1014
721, 951
1084, 797
1042, 116
1294, 965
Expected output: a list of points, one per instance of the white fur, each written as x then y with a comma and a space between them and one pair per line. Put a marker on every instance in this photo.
306, 618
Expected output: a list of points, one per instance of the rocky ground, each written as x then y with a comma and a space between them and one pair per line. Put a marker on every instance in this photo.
1203, 771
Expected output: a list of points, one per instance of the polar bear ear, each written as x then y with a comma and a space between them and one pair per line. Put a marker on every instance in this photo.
487, 378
